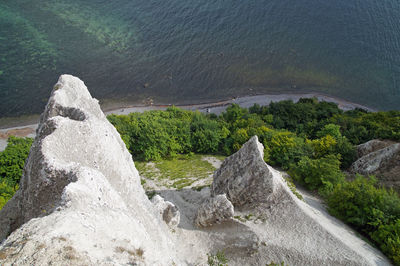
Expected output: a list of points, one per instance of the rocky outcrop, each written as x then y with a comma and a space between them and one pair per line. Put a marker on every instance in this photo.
382, 159
371, 146
244, 177
214, 210
167, 210
81, 203
287, 225
80, 200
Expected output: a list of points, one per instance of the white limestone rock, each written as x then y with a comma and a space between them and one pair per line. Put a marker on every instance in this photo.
383, 163
244, 177
291, 230
80, 200
372, 162
167, 210
372, 146
214, 210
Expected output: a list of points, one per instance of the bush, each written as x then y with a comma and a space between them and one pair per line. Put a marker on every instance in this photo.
6, 193
388, 238
363, 205
12, 160
373, 211
322, 174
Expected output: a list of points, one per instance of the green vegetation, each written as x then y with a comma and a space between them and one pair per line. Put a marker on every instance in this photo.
312, 140
179, 171
218, 259
12, 161
371, 210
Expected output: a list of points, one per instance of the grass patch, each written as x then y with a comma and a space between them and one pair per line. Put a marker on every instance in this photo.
178, 172
181, 183
184, 166
147, 170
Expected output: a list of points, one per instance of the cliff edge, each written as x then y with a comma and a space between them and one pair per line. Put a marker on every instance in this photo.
80, 200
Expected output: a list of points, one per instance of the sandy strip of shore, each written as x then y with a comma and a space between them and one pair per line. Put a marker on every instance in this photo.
216, 108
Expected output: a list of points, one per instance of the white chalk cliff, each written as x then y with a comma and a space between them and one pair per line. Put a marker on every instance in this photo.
80, 200
81, 203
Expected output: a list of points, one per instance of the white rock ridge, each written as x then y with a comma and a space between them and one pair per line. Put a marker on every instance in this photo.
244, 176
381, 159
290, 230
80, 200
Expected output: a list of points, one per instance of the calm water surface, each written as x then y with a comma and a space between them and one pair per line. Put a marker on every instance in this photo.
199, 50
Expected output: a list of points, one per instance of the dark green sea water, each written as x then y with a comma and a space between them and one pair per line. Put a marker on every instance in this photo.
199, 50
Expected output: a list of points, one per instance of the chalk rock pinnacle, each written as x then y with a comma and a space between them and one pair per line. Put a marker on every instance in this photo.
80, 200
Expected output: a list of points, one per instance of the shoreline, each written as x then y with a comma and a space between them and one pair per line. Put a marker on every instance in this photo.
26, 126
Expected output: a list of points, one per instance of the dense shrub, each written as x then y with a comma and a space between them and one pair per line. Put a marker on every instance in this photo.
322, 174
373, 211
388, 238
12, 161
363, 205
284, 149
6, 193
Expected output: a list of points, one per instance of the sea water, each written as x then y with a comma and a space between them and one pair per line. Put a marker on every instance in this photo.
188, 51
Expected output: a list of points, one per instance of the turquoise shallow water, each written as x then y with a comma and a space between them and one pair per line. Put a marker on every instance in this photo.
199, 50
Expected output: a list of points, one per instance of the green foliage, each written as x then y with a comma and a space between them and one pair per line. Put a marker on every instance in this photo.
360, 126
156, 134
217, 259
283, 148
363, 205
6, 193
388, 238
233, 113
206, 134
323, 146
373, 211
311, 139
322, 174
12, 159
331, 130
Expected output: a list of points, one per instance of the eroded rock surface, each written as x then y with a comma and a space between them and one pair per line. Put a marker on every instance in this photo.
371, 146
244, 177
384, 162
214, 210
286, 224
167, 210
80, 193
